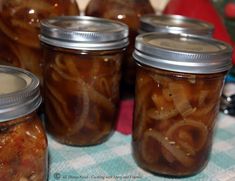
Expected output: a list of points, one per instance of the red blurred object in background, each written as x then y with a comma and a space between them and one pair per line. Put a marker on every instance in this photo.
229, 10
203, 10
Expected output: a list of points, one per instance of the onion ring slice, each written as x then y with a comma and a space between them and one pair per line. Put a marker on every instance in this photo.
179, 154
180, 100
93, 94
162, 114
194, 124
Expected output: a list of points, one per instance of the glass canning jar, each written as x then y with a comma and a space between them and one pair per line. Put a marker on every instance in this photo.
23, 143
175, 24
19, 30
83, 57
179, 82
128, 12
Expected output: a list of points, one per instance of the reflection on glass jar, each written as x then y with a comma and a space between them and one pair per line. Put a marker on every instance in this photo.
23, 143
128, 12
175, 24
19, 30
82, 71
178, 89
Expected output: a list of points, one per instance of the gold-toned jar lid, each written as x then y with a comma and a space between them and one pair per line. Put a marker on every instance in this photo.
19, 93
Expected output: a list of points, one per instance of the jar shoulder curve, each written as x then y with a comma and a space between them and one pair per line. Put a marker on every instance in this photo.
39, 8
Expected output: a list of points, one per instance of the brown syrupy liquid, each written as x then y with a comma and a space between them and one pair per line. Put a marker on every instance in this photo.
81, 94
175, 114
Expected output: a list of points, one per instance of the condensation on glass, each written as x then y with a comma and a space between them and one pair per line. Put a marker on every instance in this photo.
20, 27
23, 142
83, 57
178, 90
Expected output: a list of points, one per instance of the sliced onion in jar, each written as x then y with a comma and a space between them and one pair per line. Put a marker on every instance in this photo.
71, 68
81, 121
94, 95
149, 149
142, 85
161, 103
162, 114
59, 63
59, 111
59, 98
167, 155
95, 68
202, 97
167, 94
204, 109
104, 85
141, 122
179, 154
115, 80
180, 99
160, 79
174, 130
20, 38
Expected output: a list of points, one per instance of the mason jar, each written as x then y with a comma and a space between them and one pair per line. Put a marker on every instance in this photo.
23, 143
20, 27
178, 88
83, 57
175, 24
128, 12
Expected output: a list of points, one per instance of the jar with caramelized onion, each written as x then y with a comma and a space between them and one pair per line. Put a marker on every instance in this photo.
83, 57
23, 142
128, 12
178, 90
19, 30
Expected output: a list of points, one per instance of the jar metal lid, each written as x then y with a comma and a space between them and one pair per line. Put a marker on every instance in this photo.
84, 33
175, 24
19, 93
183, 53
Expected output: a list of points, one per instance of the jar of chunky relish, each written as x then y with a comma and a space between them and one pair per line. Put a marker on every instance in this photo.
179, 82
20, 27
83, 57
23, 143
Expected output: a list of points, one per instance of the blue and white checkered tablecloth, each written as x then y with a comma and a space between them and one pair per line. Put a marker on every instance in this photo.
112, 160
